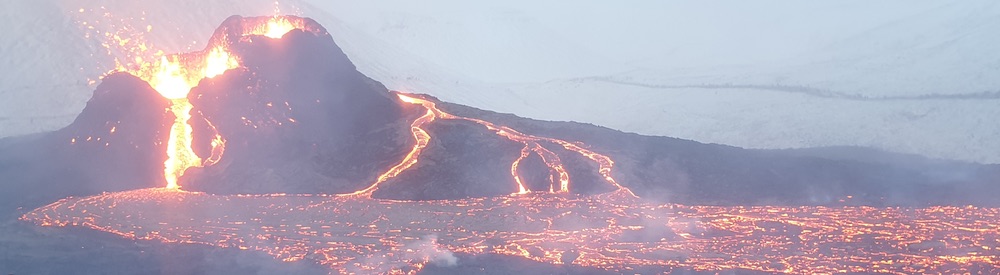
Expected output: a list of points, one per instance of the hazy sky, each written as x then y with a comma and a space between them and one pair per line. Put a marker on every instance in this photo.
847, 72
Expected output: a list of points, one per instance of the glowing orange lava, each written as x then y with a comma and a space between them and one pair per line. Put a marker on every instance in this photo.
218, 61
421, 139
276, 27
613, 231
513, 170
173, 77
531, 144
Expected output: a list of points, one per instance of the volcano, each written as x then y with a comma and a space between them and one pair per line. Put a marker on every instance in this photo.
288, 125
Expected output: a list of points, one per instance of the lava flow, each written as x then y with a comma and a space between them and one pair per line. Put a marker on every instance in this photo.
531, 144
174, 82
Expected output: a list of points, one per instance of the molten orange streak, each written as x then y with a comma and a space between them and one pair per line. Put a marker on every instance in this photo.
513, 170
552, 161
173, 79
604, 162
180, 156
218, 146
422, 139
530, 142
548, 157
172, 82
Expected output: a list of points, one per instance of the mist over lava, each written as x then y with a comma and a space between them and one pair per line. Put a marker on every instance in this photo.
377, 178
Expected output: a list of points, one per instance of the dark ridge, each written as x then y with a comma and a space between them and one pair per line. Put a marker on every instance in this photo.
682, 171
87, 157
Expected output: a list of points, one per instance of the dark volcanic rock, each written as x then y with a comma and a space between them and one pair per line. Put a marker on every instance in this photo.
462, 159
127, 124
116, 143
299, 119
683, 171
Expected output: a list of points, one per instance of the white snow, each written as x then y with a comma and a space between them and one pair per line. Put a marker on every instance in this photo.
914, 76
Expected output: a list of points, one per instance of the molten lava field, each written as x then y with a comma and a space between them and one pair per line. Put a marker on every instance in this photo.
611, 231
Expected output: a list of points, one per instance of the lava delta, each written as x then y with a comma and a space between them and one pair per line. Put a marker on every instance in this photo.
270, 139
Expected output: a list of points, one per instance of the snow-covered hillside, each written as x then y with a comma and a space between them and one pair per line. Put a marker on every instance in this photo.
909, 76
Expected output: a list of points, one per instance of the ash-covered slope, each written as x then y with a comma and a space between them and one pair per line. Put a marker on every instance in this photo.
116, 143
